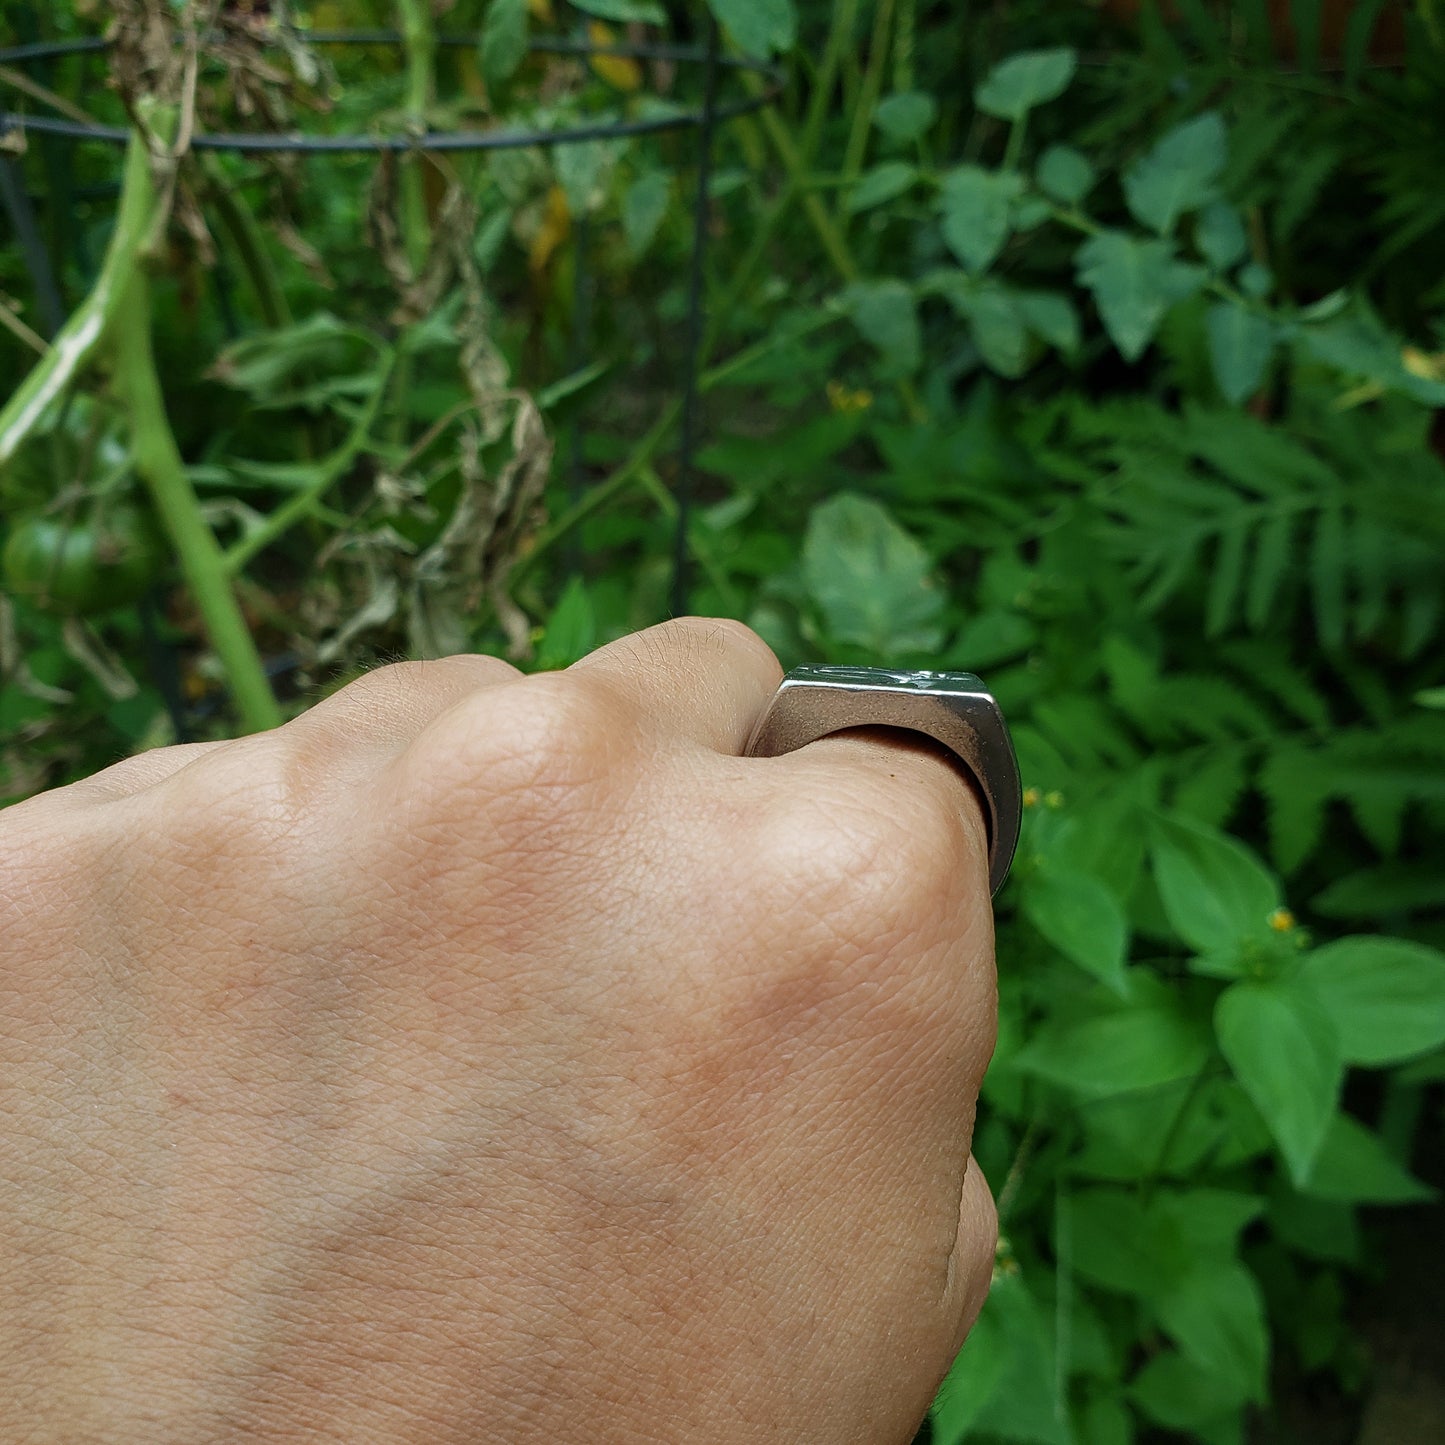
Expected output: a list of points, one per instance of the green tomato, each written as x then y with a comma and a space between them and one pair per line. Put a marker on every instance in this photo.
86, 564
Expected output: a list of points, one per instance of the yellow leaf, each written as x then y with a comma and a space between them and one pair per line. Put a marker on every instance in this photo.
556, 222
621, 72
540, 11
1422, 364
471, 76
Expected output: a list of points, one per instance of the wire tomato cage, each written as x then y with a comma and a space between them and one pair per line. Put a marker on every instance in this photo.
711, 110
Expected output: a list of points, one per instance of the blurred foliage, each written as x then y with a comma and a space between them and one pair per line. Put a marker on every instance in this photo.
1097, 349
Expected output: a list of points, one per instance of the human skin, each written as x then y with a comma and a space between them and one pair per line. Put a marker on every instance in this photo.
482, 1057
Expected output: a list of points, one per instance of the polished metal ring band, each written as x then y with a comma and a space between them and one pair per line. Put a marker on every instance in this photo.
953, 708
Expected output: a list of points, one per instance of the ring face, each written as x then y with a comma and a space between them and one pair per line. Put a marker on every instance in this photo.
953, 708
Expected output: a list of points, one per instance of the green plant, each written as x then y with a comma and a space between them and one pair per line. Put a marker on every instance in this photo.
1084, 377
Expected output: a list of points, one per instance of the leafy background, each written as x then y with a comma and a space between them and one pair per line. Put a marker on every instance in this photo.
1097, 349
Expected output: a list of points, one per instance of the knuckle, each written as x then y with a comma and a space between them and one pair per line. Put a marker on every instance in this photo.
872, 906
412, 683
866, 863
723, 634
248, 803
543, 741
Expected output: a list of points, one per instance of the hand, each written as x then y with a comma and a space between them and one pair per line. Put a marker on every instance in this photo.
483, 1057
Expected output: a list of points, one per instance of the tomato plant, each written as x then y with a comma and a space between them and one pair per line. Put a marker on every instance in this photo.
105, 559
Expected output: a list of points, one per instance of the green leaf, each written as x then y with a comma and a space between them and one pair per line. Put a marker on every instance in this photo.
1028, 212
643, 207
503, 46
887, 315
1178, 174
571, 631
974, 1377
758, 26
1014, 86
623, 10
567, 387
1285, 1053
1018, 1380
1180, 1395
1385, 889
989, 637
1121, 1244
1134, 282
1216, 1317
905, 116
1318, 1228
1165, 1130
1065, 174
1148, 1244
1143, 1043
1082, 919
1219, 235
1106, 1421
975, 205
1354, 1167
1050, 317
883, 183
870, 580
1216, 894
996, 326
583, 169
1240, 345
1385, 995
1429, 1070
1328, 562
1211, 1220
1255, 280
1360, 345
322, 344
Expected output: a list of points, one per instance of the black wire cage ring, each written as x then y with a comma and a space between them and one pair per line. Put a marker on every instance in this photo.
502, 138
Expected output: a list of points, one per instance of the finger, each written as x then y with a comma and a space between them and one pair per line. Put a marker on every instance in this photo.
970, 1267
703, 678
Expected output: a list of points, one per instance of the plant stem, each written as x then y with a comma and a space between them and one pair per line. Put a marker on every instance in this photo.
78, 340
828, 234
241, 226
1013, 148
603, 492
840, 38
868, 96
419, 44
903, 45
831, 238
158, 462
739, 359
304, 503
58, 103
21, 332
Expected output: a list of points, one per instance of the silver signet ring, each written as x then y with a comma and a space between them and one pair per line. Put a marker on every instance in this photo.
953, 708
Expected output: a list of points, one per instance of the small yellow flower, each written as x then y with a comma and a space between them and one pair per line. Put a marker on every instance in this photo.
1054, 799
1032, 797
846, 399
1281, 920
